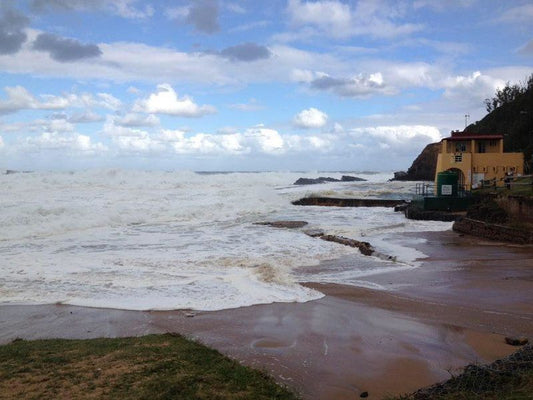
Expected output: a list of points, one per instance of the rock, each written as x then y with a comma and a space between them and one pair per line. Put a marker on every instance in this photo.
364, 247
348, 178
284, 224
363, 395
314, 181
324, 179
423, 167
516, 341
400, 176
314, 232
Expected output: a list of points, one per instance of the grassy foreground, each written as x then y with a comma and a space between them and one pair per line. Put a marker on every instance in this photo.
149, 367
510, 378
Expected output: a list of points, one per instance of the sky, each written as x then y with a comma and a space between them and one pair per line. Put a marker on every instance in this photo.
243, 85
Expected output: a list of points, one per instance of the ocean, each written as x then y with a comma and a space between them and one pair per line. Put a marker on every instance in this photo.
154, 240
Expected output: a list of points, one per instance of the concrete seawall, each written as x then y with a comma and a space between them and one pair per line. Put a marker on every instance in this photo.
340, 202
493, 231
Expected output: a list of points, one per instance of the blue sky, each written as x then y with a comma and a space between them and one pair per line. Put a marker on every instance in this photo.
248, 85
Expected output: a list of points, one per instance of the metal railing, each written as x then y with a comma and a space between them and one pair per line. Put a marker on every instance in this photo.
429, 190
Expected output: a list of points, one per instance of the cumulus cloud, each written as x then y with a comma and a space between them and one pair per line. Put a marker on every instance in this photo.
85, 117
12, 35
18, 98
123, 8
166, 101
136, 120
311, 118
246, 52
269, 140
56, 141
471, 89
202, 14
361, 85
65, 49
337, 19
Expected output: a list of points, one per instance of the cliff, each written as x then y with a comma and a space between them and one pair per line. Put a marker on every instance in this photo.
423, 167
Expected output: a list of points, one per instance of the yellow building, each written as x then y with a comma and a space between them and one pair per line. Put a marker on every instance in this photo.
478, 158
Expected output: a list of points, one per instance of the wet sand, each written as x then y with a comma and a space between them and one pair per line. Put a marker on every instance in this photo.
453, 310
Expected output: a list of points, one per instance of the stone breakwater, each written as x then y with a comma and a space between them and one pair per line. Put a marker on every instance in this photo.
342, 202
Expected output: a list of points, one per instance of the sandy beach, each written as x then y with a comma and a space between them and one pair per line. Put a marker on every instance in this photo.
453, 310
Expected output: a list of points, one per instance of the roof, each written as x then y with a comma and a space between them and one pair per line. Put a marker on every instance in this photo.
459, 136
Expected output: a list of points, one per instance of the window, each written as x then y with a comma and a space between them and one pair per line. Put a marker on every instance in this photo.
460, 147
458, 158
481, 147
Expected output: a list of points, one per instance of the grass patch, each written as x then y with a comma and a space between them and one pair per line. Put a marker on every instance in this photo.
154, 367
507, 379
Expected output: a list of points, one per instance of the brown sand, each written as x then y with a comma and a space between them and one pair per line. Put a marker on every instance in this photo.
450, 312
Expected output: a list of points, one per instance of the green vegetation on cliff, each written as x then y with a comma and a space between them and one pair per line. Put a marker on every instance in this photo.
510, 115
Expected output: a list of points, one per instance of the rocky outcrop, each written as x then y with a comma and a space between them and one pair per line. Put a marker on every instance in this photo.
364, 247
423, 167
339, 202
324, 179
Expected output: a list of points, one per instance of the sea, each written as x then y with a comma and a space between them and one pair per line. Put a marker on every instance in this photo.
166, 240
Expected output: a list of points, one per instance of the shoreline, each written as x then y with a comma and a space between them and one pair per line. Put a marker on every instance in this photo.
453, 310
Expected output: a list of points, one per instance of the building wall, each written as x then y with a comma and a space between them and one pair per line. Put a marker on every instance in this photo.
491, 165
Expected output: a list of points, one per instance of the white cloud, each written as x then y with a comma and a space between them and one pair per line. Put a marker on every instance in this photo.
269, 140
122, 8
336, 19
360, 85
252, 105
18, 98
392, 136
1, 142
166, 101
137, 120
108, 101
518, 14
85, 117
56, 141
472, 89
311, 118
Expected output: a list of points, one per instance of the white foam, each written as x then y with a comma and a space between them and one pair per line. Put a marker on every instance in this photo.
166, 240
